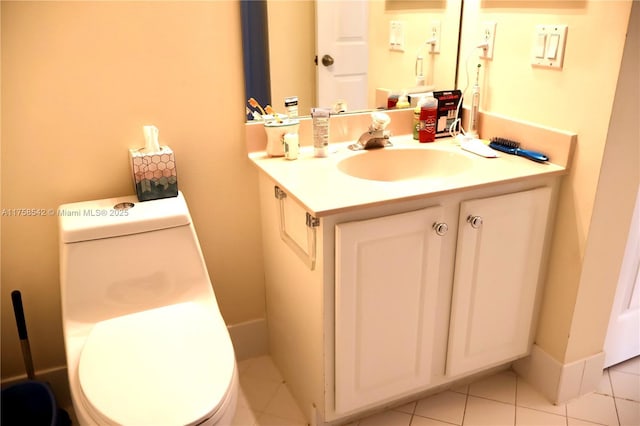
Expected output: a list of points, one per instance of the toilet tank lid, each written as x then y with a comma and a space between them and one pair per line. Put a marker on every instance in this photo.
113, 217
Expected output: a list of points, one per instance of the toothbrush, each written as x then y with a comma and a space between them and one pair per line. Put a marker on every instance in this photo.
255, 104
512, 147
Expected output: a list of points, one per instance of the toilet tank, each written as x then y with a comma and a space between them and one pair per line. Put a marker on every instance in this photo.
120, 256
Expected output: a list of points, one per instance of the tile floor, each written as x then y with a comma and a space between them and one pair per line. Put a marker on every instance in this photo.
502, 399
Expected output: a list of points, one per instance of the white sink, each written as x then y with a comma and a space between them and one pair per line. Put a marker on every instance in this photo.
397, 164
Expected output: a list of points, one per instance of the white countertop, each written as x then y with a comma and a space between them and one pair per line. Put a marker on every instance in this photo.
323, 189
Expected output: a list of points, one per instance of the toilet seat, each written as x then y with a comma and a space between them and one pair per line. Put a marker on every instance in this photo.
170, 365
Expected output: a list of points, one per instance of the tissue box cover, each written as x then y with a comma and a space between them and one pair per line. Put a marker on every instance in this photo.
154, 173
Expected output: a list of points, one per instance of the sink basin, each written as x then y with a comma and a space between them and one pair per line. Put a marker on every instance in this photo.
403, 164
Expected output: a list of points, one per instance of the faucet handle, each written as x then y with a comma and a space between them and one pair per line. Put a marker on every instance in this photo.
379, 120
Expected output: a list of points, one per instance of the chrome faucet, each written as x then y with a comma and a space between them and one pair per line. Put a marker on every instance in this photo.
376, 136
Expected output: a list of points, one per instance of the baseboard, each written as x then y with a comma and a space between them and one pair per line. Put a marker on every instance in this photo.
559, 382
249, 338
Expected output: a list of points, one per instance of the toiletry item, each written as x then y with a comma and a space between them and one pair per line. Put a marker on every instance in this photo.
447, 106
291, 105
276, 129
416, 117
476, 146
153, 168
320, 118
392, 100
475, 106
291, 146
428, 117
403, 101
255, 104
513, 147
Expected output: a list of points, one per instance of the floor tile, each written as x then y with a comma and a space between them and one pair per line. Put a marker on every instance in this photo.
445, 406
527, 396
262, 368
406, 408
258, 392
284, 405
529, 417
271, 420
594, 408
423, 421
578, 422
387, 418
604, 387
499, 387
631, 366
625, 385
484, 412
628, 412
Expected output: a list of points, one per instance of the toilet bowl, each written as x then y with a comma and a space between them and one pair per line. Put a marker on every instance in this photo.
144, 338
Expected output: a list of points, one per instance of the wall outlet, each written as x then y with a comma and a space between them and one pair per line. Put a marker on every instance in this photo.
487, 35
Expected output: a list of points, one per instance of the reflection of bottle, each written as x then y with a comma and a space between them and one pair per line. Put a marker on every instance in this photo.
428, 117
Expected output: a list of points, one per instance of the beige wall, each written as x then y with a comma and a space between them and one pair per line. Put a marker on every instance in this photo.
578, 98
79, 80
396, 70
292, 30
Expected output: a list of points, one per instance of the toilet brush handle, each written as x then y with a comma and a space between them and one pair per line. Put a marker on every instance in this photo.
18, 310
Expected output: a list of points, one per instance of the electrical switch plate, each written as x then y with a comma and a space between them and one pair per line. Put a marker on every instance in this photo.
396, 35
487, 35
434, 34
548, 46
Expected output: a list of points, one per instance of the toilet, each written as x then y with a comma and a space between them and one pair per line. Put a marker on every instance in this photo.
144, 338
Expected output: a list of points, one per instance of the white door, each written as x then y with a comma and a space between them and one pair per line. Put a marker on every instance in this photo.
498, 259
623, 336
387, 273
342, 34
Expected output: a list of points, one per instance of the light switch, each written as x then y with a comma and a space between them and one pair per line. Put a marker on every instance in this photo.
552, 51
396, 35
540, 44
548, 46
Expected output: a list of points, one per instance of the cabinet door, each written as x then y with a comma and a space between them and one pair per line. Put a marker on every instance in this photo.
385, 294
498, 262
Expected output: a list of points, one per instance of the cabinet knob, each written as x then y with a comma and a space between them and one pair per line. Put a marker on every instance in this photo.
440, 228
475, 221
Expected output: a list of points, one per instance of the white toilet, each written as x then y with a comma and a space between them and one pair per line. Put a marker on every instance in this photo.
144, 338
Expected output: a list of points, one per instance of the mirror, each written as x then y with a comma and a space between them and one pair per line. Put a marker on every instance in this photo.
292, 48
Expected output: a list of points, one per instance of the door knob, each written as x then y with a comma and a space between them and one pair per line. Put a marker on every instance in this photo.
327, 60
474, 221
440, 228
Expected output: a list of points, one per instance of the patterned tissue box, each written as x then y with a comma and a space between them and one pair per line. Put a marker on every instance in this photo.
154, 173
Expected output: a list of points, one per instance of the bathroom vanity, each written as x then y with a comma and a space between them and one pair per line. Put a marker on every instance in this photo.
382, 288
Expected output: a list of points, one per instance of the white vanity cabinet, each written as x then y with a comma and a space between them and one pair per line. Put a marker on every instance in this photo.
385, 303
387, 275
396, 303
498, 263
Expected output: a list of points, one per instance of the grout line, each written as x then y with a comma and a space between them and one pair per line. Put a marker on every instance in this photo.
613, 396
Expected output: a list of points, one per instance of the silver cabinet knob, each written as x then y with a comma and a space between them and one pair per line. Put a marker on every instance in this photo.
440, 228
327, 60
475, 221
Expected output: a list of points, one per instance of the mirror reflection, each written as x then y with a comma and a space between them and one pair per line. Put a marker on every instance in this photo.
376, 48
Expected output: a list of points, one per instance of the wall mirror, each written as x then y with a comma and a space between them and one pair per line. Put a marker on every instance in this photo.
281, 54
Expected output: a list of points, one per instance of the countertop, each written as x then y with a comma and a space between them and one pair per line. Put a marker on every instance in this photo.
323, 189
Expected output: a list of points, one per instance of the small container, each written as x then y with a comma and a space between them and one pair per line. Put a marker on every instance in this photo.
416, 117
320, 117
291, 146
291, 105
428, 118
275, 135
403, 102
